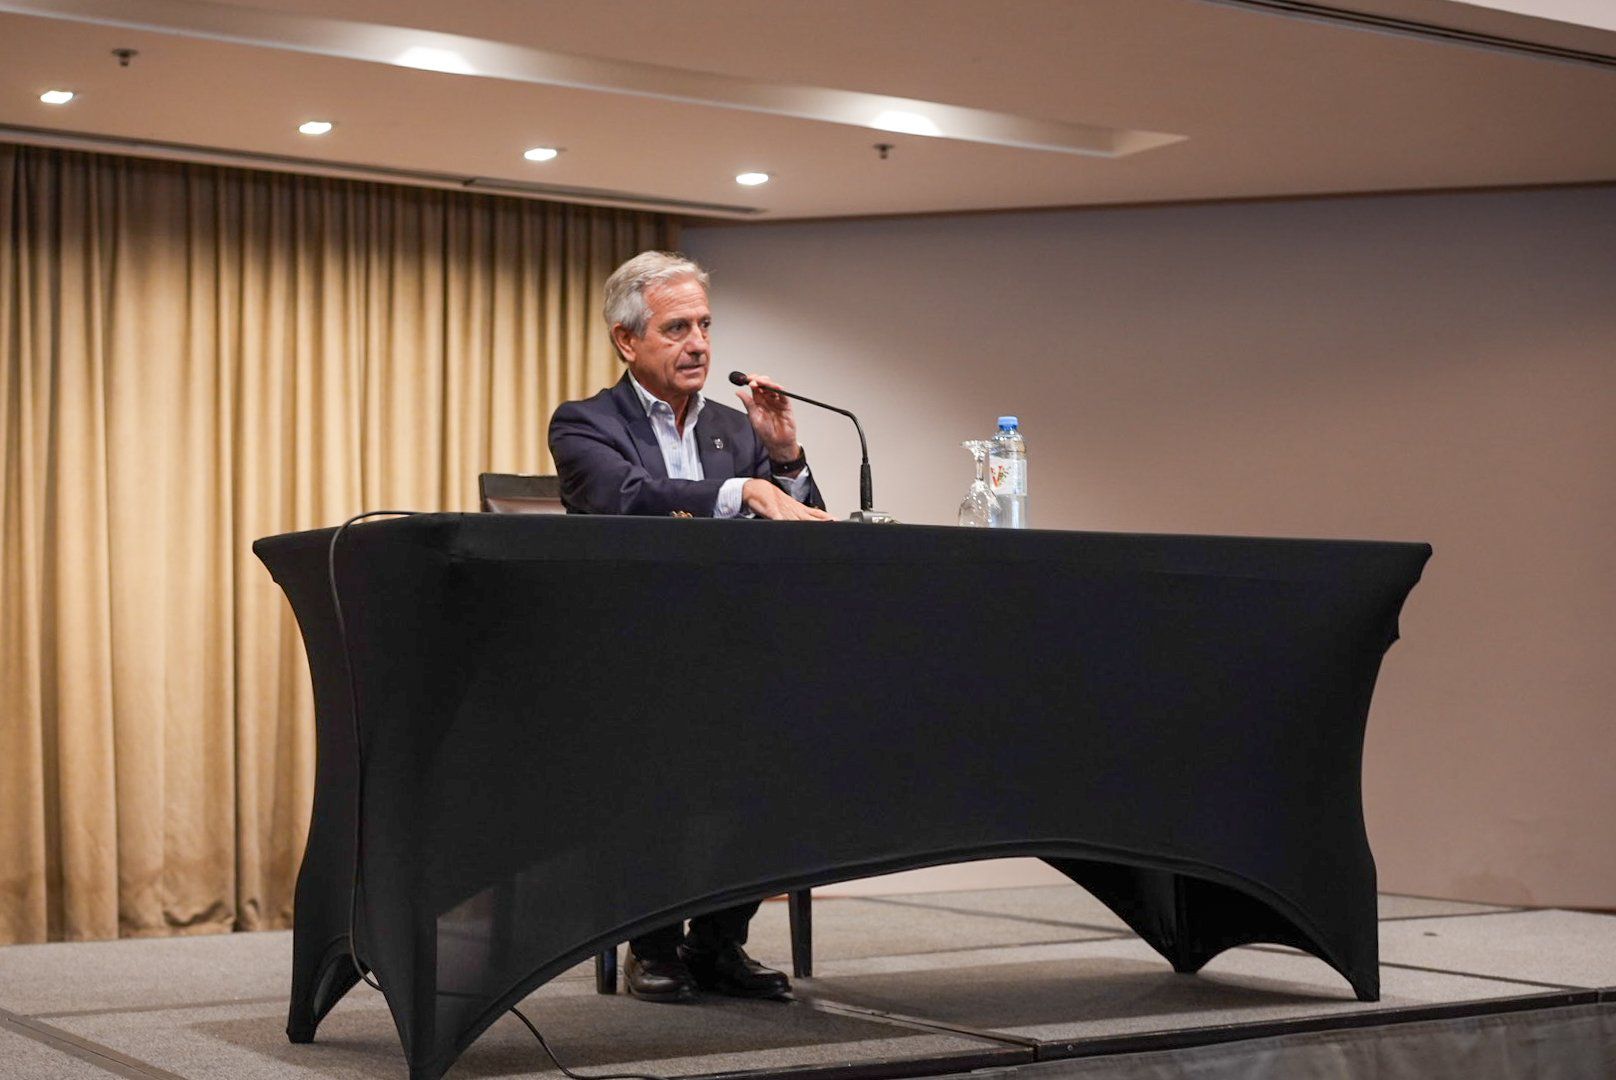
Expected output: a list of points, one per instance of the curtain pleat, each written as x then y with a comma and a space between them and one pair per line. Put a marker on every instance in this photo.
196, 357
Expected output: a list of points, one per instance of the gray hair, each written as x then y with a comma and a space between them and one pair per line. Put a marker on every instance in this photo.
625, 289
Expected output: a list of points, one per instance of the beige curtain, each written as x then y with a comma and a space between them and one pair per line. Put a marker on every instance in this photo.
194, 358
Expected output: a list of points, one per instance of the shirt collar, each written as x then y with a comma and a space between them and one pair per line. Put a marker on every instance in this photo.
649, 402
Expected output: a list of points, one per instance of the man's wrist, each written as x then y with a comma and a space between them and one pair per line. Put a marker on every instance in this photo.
731, 500
781, 465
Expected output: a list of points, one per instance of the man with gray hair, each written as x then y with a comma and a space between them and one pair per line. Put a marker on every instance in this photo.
652, 444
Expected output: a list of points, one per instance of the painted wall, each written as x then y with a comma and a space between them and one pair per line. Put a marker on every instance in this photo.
1438, 368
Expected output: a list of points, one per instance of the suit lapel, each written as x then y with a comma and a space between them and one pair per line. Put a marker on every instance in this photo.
639, 429
717, 449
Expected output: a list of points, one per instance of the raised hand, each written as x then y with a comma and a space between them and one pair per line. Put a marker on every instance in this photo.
771, 417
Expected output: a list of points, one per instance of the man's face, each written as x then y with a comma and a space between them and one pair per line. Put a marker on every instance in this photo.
671, 360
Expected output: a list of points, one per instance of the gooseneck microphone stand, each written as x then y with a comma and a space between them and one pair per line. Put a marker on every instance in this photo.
866, 487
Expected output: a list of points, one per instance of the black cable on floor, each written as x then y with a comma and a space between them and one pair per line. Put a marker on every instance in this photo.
580, 1076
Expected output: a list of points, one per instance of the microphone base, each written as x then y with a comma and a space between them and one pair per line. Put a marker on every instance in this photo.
872, 517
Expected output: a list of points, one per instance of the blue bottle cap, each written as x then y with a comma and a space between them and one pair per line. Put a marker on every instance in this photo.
1007, 422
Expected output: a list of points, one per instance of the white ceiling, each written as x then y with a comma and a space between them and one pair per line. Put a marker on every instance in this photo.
1599, 13
1265, 103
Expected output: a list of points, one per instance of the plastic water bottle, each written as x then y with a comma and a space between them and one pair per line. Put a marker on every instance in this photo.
1007, 473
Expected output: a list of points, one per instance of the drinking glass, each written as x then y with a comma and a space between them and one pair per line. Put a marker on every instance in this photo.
980, 507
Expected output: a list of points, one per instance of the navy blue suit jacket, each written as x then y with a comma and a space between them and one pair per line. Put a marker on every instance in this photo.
609, 462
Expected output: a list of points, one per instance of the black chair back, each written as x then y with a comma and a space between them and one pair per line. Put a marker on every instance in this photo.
519, 493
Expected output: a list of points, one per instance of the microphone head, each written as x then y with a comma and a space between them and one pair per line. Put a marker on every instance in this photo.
738, 378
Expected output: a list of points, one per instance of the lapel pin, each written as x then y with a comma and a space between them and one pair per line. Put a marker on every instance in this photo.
718, 442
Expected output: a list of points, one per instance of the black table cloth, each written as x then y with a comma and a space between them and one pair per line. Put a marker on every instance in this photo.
577, 729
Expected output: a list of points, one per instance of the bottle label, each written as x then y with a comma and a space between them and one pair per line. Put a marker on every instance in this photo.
1007, 476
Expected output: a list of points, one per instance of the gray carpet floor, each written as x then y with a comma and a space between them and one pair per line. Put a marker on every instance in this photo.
960, 981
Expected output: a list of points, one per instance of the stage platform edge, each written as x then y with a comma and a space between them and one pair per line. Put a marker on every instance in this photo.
1040, 980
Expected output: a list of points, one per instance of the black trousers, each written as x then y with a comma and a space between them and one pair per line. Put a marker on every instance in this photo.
707, 932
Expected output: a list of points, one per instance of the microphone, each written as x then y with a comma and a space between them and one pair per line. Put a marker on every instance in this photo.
865, 486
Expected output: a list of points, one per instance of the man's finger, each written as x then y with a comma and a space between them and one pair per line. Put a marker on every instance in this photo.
804, 512
767, 385
782, 507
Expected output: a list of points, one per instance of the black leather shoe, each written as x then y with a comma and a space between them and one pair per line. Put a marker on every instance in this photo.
729, 970
658, 980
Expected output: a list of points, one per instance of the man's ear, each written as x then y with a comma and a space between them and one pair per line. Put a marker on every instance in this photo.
625, 342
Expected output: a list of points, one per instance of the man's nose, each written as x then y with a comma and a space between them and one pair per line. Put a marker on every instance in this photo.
697, 342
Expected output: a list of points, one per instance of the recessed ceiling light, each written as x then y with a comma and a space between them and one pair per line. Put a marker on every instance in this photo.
906, 123
56, 97
752, 179
315, 127
541, 153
